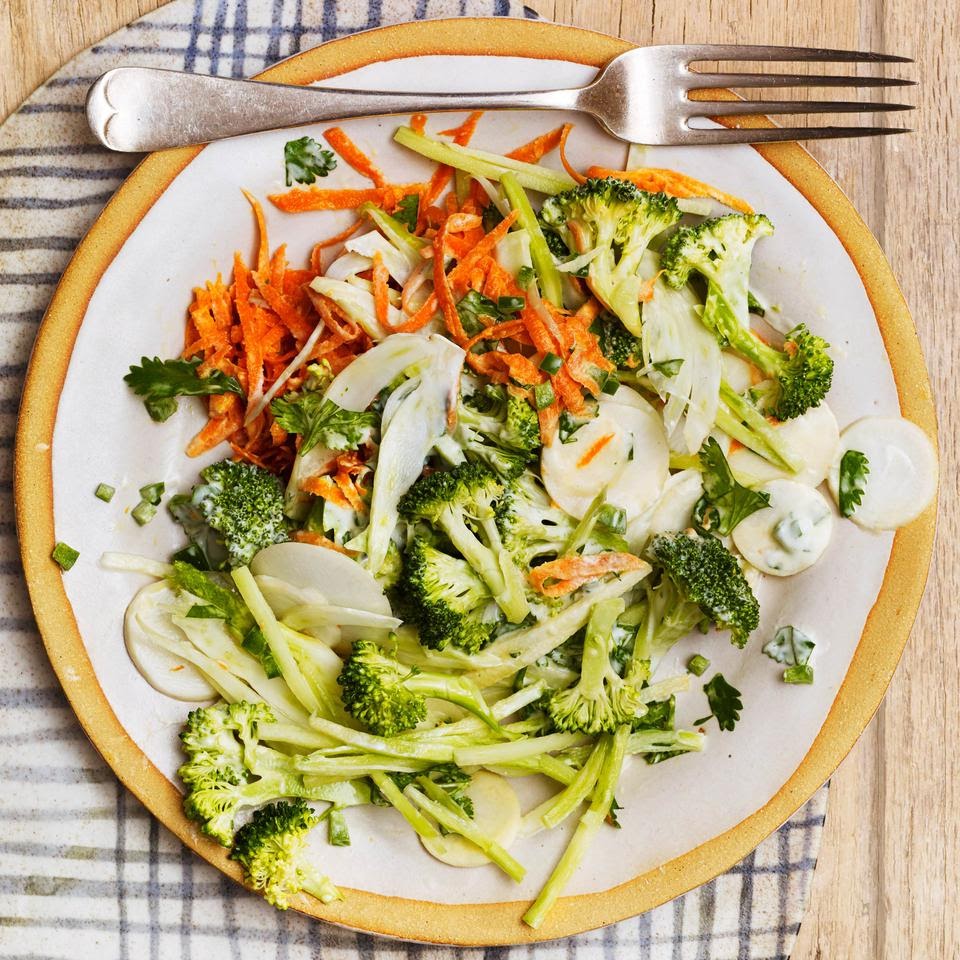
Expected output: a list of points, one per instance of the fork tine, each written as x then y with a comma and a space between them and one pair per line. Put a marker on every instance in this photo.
707, 81
696, 137
730, 108
732, 51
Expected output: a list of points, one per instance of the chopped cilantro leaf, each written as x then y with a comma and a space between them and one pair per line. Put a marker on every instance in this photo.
160, 382
854, 468
305, 160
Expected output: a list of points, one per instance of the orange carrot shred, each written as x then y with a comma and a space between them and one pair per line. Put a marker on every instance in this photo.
594, 450
354, 156
300, 200
341, 236
538, 148
319, 540
418, 122
673, 183
571, 572
574, 173
381, 291
263, 250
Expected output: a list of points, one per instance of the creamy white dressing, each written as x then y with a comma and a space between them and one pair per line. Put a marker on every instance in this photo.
814, 438
790, 534
903, 471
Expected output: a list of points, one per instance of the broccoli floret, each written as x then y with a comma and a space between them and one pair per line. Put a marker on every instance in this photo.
616, 222
617, 343
446, 599
706, 574
272, 848
447, 501
530, 525
720, 250
389, 698
505, 436
235, 512
212, 748
601, 701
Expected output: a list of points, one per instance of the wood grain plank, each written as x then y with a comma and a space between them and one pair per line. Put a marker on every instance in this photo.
886, 887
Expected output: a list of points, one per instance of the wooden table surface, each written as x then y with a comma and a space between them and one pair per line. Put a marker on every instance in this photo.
886, 886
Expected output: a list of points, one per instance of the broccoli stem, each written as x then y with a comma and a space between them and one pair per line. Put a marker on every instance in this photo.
719, 315
294, 735
458, 690
406, 748
339, 768
455, 823
543, 262
484, 164
549, 766
595, 666
471, 726
664, 741
758, 434
591, 821
565, 802
406, 809
487, 753
276, 639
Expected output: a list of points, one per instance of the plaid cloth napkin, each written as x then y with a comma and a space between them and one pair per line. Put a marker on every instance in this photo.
85, 871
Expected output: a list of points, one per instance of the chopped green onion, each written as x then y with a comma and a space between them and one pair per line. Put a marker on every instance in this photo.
511, 304
610, 384
338, 834
525, 276
104, 492
543, 396
698, 665
144, 512
65, 555
551, 363
801, 673
152, 493
613, 518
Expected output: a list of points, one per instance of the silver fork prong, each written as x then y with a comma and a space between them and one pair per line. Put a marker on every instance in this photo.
708, 81
690, 53
704, 137
731, 108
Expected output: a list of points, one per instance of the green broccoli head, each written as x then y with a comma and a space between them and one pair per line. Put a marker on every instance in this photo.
389, 698
601, 700
470, 488
447, 599
530, 525
617, 343
272, 850
803, 373
235, 512
706, 574
505, 436
213, 752
615, 222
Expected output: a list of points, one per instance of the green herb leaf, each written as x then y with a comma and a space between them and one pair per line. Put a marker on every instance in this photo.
790, 646
305, 160
854, 468
491, 217
160, 382
64, 555
724, 701
507, 305
568, 426
724, 502
322, 421
472, 307
256, 643
408, 209
754, 306
669, 368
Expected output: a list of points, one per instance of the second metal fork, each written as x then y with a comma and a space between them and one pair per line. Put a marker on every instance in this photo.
642, 96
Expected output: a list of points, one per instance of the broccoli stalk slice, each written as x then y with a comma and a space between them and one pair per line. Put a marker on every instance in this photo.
421, 825
532, 176
480, 756
744, 422
543, 263
404, 748
351, 767
456, 823
614, 750
576, 793
601, 700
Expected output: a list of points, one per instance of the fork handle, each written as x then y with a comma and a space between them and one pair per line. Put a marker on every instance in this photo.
138, 109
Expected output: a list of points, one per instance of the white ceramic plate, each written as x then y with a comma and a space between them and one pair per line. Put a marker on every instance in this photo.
697, 813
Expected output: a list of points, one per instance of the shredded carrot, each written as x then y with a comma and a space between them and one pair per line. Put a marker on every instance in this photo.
549, 422
594, 450
497, 331
381, 291
418, 122
263, 250
673, 183
353, 155
441, 176
253, 347
325, 487
338, 238
569, 573
319, 540
299, 200
463, 133
574, 173
218, 429
535, 150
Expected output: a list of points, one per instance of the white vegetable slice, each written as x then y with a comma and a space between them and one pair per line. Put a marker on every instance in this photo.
496, 811
357, 304
624, 448
149, 612
813, 437
737, 372
903, 471
347, 265
398, 266
789, 535
339, 580
675, 506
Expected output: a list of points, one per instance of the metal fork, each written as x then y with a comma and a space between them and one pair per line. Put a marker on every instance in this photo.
642, 96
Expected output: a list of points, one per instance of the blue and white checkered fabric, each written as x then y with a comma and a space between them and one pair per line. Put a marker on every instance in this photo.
85, 872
